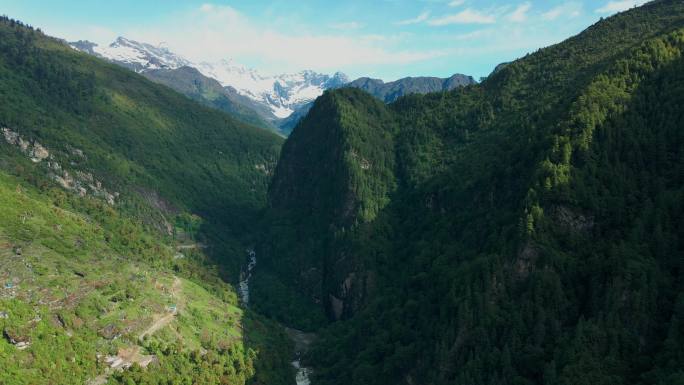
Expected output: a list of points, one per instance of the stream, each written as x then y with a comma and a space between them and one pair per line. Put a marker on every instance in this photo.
246, 275
301, 340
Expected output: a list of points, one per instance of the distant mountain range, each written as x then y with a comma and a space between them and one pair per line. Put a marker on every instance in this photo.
391, 91
224, 84
276, 102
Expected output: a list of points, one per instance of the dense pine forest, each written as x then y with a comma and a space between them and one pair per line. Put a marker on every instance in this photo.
525, 230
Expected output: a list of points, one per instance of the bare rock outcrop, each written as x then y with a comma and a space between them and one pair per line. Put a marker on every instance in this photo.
79, 182
572, 219
34, 150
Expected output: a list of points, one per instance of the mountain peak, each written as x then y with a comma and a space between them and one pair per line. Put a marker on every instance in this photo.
120, 40
84, 46
340, 77
282, 93
134, 55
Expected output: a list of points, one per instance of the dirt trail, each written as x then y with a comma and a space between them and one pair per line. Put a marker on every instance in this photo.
166, 319
126, 357
191, 246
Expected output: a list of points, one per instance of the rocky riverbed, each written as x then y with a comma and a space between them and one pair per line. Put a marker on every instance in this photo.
301, 339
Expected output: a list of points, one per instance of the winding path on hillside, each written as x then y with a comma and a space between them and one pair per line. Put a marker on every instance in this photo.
126, 357
166, 319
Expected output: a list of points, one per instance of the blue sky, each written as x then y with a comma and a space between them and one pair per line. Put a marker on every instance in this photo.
387, 39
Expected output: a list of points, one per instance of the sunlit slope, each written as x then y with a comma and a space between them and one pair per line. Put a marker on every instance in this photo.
135, 132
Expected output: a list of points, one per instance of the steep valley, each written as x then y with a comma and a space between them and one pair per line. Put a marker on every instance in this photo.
527, 229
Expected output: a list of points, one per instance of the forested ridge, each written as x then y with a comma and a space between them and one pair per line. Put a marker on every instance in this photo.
526, 230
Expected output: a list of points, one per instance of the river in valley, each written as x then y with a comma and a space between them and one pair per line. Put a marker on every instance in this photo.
301, 340
245, 276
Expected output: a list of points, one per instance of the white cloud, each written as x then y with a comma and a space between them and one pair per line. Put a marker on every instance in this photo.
619, 6
483, 33
468, 16
520, 13
395, 38
571, 9
506, 41
350, 25
207, 7
456, 3
214, 32
416, 20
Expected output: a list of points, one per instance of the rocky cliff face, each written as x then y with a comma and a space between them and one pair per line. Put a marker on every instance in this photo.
70, 177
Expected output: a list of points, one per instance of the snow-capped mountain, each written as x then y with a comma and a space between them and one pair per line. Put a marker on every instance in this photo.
281, 94
275, 102
137, 56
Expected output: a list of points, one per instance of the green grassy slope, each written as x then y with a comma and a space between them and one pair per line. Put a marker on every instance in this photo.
530, 232
111, 186
84, 288
135, 132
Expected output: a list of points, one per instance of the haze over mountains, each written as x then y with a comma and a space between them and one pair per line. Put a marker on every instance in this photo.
276, 101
